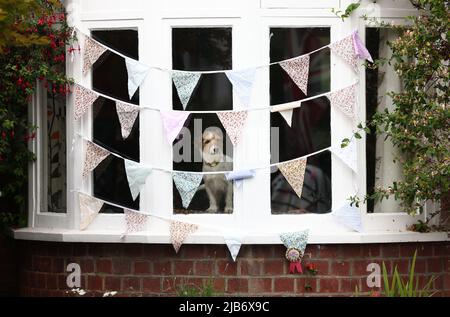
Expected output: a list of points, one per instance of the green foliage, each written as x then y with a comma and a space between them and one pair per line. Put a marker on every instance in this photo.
348, 11
419, 123
32, 49
192, 290
398, 287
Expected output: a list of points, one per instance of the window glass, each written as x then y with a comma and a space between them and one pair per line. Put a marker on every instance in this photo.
110, 77
310, 131
200, 49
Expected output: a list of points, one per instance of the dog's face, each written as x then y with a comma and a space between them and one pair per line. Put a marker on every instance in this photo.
212, 145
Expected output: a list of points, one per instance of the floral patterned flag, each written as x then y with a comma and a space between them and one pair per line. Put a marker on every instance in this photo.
295, 242
179, 232
127, 114
294, 172
84, 98
135, 221
92, 52
136, 74
89, 208
233, 122
345, 100
298, 70
173, 121
94, 156
345, 49
185, 83
243, 84
349, 216
187, 184
136, 175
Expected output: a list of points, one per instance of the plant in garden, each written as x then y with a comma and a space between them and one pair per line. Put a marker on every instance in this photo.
33, 44
419, 123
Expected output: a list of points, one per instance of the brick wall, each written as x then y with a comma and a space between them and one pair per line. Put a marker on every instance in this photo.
155, 270
8, 267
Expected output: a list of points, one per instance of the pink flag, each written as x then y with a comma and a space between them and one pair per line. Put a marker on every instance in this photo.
135, 221
173, 121
84, 98
345, 100
233, 122
127, 114
298, 70
345, 49
92, 52
94, 155
179, 232
360, 49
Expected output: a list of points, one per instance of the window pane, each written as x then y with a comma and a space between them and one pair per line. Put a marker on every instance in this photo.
198, 49
110, 77
310, 131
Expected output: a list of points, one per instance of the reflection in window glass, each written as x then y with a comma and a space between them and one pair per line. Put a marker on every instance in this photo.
110, 77
310, 129
203, 144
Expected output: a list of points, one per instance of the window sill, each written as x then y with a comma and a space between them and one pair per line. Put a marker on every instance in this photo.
206, 237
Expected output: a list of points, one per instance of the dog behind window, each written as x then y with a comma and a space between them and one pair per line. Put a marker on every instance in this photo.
219, 190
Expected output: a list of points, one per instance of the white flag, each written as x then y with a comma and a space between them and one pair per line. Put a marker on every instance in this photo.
136, 75
136, 174
349, 216
89, 208
242, 82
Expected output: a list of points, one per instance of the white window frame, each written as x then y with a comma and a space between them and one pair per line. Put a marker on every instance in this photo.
154, 26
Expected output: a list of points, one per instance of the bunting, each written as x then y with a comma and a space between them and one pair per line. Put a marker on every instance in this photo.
294, 172
127, 115
92, 52
187, 184
173, 121
136, 74
179, 231
238, 176
185, 84
349, 216
84, 98
298, 69
360, 49
135, 221
136, 175
89, 209
233, 122
233, 240
344, 48
242, 82
94, 156
345, 100
347, 155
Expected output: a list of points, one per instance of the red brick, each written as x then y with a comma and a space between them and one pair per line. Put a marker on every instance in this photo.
446, 281
434, 265
58, 265
340, 268
111, 250
447, 265
250, 267
161, 251
219, 285
260, 285
408, 249
39, 280
322, 266
421, 266
95, 283
329, 285
359, 267
349, 285
370, 251
132, 250
121, 266
402, 266
441, 249
390, 250
204, 268
104, 266
162, 268
112, 283
350, 251
87, 266
192, 251
284, 285
131, 284
226, 268
217, 252
328, 251
51, 281
246, 251
141, 267
303, 282
274, 267
80, 249
151, 284
183, 267
262, 251
237, 285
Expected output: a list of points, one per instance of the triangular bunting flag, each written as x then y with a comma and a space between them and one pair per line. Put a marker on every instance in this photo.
360, 49
347, 155
233, 122
173, 121
136, 175
94, 155
185, 83
242, 82
345, 100
187, 184
233, 239
127, 114
135, 221
344, 48
349, 216
294, 172
179, 232
92, 52
295, 242
84, 98
298, 70
89, 208
287, 115
136, 75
